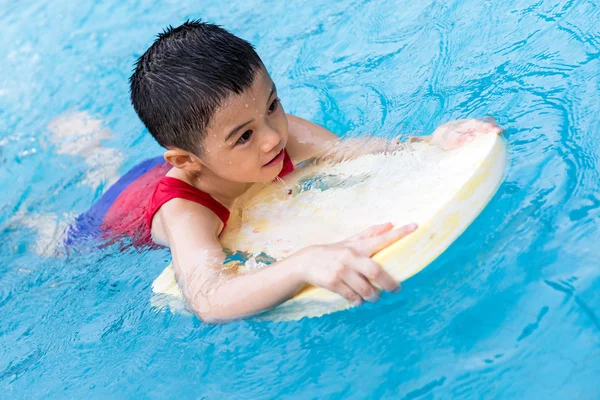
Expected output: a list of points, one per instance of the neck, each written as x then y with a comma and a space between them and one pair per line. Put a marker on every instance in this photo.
222, 190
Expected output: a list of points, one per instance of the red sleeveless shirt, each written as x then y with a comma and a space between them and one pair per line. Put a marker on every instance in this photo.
169, 188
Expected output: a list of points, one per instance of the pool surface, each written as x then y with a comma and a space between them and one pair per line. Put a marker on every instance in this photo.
511, 310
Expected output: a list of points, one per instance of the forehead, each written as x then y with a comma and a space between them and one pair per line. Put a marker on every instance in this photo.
240, 108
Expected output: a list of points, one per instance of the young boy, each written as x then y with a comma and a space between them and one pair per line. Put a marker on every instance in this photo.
205, 95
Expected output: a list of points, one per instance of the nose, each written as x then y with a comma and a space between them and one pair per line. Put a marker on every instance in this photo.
271, 139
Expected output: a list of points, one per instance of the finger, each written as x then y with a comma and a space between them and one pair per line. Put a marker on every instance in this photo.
472, 125
370, 246
361, 285
348, 293
373, 231
490, 119
372, 271
494, 128
488, 127
458, 138
464, 139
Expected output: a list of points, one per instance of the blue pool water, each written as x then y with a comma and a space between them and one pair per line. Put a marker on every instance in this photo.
511, 310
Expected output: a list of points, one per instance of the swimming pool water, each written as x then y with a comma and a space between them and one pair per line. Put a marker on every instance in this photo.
511, 310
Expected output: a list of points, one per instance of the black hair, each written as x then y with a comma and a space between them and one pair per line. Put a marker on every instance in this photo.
186, 74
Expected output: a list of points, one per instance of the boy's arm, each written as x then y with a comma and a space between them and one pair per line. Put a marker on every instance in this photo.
212, 291
308, 140
216, 294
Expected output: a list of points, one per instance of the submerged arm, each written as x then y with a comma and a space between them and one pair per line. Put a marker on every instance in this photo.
213, 292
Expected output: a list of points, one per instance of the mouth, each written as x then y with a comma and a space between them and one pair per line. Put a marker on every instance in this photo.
275, 160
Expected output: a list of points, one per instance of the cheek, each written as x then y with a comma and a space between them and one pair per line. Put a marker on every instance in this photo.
281, 125
228, 163
218, 160
236, 164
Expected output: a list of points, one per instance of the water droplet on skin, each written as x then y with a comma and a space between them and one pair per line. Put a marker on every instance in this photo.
246, 105
229, 162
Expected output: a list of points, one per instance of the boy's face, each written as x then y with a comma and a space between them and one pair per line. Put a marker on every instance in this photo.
247, 134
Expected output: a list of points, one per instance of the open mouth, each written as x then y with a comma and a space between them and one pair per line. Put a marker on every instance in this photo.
276, 160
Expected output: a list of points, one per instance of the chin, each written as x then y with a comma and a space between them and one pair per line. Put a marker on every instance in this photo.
267, 178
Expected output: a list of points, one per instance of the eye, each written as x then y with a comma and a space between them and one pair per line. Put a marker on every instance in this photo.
274, 105
245, 137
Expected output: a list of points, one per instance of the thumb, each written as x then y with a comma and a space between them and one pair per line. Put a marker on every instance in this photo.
372, 245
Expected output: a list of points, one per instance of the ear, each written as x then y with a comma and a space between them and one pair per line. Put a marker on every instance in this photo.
182, 159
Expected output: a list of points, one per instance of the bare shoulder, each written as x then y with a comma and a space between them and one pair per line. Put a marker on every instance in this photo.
180, 222
307, 139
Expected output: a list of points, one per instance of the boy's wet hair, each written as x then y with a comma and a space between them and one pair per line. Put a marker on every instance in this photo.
186, 74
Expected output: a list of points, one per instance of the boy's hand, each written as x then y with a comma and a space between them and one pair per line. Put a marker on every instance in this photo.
347, 268
454, 134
